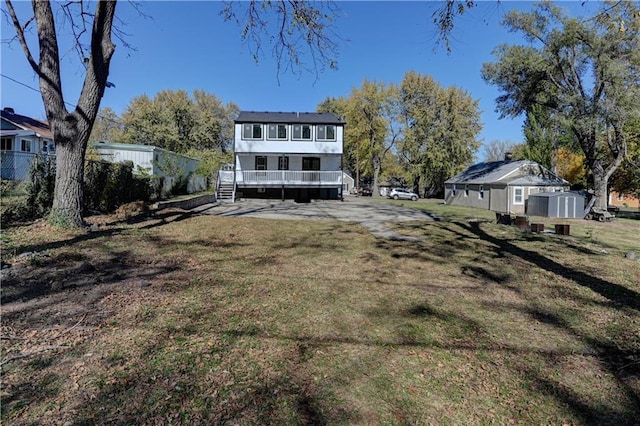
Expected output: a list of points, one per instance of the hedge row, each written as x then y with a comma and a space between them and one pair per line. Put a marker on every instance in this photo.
106, 187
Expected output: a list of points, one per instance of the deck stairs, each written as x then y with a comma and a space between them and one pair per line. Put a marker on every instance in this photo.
225, 186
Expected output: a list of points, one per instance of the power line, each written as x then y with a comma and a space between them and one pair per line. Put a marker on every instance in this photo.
66, 103
20, 83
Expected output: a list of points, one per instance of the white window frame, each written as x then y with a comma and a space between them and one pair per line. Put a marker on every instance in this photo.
481, 192
276, 128
251, 130
515, 195
302, 127
6, 144
322, 129
25, 143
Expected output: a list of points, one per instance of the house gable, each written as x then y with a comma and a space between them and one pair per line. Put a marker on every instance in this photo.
13, 121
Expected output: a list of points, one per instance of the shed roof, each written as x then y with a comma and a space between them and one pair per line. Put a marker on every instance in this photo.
520, 172
134, 147
559, 194
26, 123
288, 117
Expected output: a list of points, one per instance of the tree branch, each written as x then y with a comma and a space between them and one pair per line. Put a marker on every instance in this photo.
20, 29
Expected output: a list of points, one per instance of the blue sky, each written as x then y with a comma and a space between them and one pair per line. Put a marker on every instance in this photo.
187, 45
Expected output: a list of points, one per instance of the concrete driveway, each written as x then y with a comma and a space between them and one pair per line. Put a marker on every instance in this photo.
374, 216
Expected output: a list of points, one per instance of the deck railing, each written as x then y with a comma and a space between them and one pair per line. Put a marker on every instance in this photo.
289, 177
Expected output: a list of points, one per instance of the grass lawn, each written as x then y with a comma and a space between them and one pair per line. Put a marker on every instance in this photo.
191, 319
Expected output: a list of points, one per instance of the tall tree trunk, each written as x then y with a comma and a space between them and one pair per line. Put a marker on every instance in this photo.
71, 131
68, 198
601, 171
377, 165
600, 182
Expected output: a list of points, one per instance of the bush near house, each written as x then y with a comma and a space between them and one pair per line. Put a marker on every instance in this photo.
106, 187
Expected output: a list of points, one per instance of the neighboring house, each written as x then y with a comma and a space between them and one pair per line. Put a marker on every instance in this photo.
150, 160
501, 186
623, 200
21, 138
288, 156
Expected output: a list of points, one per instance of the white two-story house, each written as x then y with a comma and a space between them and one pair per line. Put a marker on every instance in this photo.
288, 155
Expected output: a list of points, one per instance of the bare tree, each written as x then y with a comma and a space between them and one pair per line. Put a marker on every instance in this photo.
296, 24
497, 149
71, 129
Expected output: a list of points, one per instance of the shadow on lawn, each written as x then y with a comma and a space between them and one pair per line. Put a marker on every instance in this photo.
623, 363
155, 220
617, 355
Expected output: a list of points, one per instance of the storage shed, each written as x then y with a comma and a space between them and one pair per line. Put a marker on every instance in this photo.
147, 158
557, 204
501, 186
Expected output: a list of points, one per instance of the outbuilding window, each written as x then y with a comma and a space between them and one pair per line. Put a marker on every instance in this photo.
481, 192
518, 195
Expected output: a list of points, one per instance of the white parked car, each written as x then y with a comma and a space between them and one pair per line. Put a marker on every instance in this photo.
402, 194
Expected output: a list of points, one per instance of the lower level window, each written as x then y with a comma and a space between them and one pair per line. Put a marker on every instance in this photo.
261, 163
25, 145
6, 144
310, 163
283, 163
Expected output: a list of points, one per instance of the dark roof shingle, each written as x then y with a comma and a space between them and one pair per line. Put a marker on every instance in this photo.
288, 117
27, 123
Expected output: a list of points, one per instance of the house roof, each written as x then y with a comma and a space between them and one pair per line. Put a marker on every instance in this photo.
124, 146
581, 194
521, 172
133, 147
288, 117
22, 122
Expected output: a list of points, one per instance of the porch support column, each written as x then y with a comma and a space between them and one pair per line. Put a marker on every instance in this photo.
283, 192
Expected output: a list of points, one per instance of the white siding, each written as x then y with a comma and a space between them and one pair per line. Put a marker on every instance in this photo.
279, 146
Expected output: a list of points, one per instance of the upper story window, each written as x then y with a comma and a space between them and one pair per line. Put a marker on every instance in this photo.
277, 131
251, 131
326, 132
25, 145
302, 132
6, 144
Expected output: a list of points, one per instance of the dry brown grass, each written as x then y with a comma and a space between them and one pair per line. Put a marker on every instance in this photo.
189, 319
